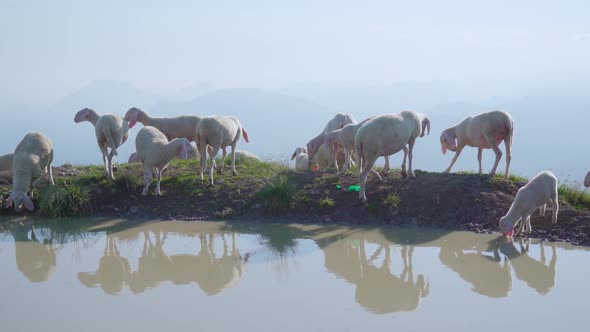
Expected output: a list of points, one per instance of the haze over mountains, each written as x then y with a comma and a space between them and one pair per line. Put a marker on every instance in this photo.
550, 121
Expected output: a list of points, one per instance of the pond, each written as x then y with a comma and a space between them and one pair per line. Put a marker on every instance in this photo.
274, 277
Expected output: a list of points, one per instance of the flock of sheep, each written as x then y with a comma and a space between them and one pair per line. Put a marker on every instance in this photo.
342, 140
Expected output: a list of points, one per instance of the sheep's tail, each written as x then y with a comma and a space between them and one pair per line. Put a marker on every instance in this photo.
245, 134
110, 142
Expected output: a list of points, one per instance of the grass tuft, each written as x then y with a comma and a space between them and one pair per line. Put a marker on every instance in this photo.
574, 196
392, 200
278, 195
326, 202
64, 201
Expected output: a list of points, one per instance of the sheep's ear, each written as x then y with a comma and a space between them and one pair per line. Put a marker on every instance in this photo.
133, 117
443, 148
29, 203
305, 151
293, 156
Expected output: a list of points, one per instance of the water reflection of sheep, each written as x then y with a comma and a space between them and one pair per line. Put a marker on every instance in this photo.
213, 274
377, 288
35, 260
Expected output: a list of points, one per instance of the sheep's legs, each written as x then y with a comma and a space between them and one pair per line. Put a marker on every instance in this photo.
367, 167
202, 148
555, 203
403, 171
491, 141
50, 175
224, 153
233, 159
334, 155
386, 167
212, 156
479, 153
159, 177
410, 155
508, 145
457, 153
542, 209
110, 170
147, 180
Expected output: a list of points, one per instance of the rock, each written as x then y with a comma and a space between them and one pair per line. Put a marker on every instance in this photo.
220, 181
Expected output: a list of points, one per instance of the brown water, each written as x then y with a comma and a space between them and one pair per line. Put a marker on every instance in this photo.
255, 277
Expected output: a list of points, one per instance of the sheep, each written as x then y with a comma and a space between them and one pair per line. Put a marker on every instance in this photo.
6, 162
154, 151
539, 191
338, 121
218, 132
385, 135
301, 159
484, 131
111, 132
176, 127
192, 154
32, 157
243, 154
587, 180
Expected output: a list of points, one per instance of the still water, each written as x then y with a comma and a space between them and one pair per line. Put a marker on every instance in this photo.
190, 276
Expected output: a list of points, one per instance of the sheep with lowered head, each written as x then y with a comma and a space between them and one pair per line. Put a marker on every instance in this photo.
218, 132
539, 191
385, 135
301, 159
154, 151
192, 154
175, 127
6, 162
32, 157
338, 121
483, 131
111, 132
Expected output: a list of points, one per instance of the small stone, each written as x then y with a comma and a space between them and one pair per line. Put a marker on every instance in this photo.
220, 181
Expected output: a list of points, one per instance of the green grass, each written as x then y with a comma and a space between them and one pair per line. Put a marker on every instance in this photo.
574, 195
326, 202
61, 201
392, 201
278, 196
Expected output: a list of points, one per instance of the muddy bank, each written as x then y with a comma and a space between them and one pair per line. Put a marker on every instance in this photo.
451, 201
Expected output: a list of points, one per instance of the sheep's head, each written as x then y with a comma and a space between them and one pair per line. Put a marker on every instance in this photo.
312, 150
448, 140
425, 126
82, 115
506, 227
298, 151
587, 180
19, 198
132, 116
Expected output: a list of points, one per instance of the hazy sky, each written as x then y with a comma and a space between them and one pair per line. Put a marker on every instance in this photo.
50, 48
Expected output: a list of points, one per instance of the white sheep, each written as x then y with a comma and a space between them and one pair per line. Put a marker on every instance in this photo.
218, 132
177, 127
111, 132
338, 121
587, 180
484, 131
243, 154
385, 135
6, 162
539, 191
193, 153
32, 157
154, 151
301, 159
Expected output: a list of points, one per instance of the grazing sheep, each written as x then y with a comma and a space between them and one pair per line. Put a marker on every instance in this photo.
32, 157
111, 132
301, 159
154, 151
587, 180
192, 154
484, 131
177, 127
338, 121
218, 132
385, 135
540, 190
6, 162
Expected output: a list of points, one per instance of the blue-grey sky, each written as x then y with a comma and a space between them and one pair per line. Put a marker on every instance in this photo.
51, 48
